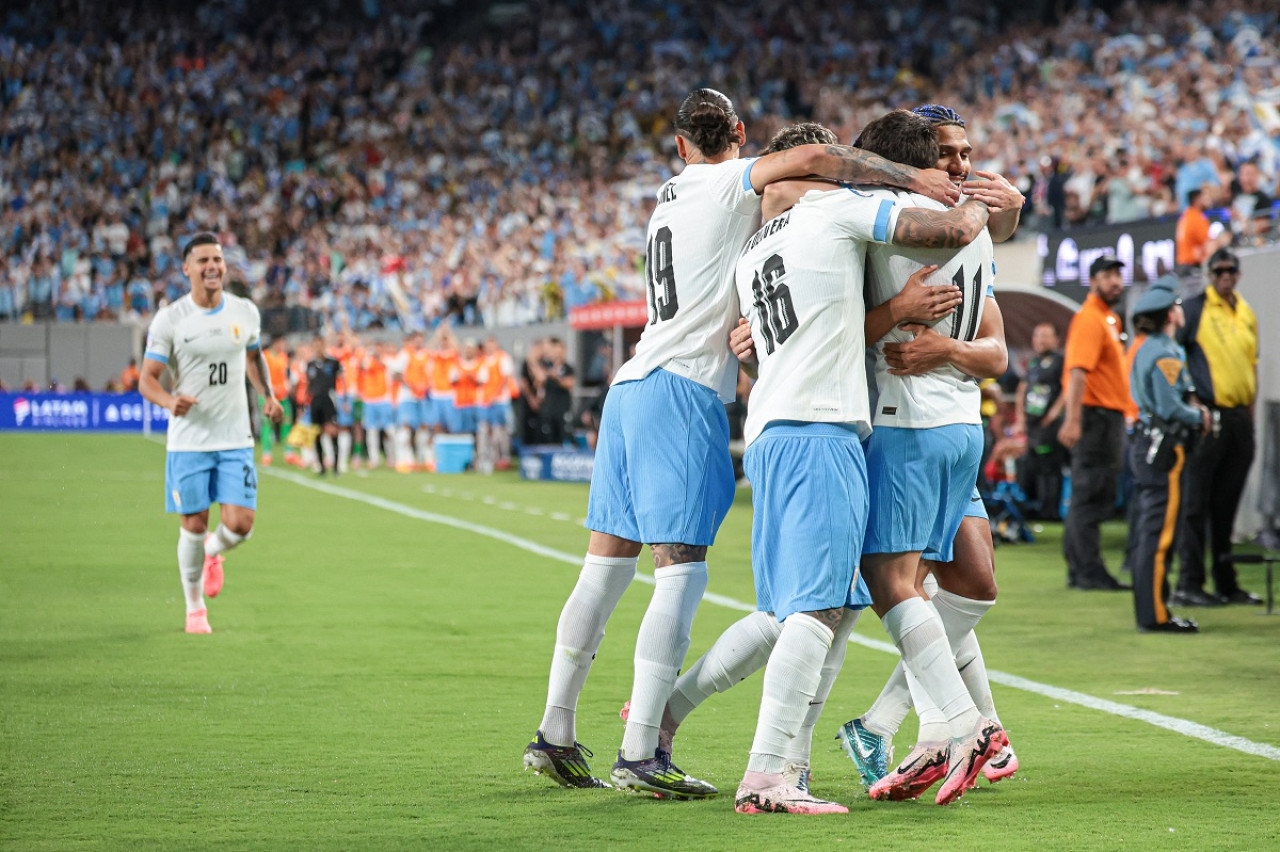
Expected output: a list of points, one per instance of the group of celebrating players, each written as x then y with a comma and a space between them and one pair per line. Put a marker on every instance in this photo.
862, 293
354, 403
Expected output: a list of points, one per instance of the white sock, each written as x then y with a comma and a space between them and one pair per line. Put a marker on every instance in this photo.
344, 451
917, 630
739, 652
372, 438
502, 442
933, 724
960, 615
190, 567
891, 706
600, 585
802, 744
326, 450
660, 648
404, 446
222, 539
420, 445
790, 682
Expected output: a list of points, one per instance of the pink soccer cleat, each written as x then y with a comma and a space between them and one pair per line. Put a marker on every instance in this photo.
967, 757
213, 576
920, 770
782, 799
198, 622
1002, 766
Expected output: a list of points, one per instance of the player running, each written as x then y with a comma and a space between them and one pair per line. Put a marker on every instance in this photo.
663, 474
204, 340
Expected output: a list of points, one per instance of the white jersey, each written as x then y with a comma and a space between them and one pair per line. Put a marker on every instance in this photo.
703, 217
800, 285
205, 353
943, 396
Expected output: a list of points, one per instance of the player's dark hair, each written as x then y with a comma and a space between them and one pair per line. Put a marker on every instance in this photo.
901, 136
202, 239
939, 115
707, 119
804, 133
1193, 196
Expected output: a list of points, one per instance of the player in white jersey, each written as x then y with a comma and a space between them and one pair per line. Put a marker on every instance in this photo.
662, 474
968, 580
203, 340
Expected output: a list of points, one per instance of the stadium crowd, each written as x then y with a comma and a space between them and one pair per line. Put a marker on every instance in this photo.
383, 180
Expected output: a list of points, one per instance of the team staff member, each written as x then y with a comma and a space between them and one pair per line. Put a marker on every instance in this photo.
1221, 340
323, 374
1093, 425
1160, 385
277, 358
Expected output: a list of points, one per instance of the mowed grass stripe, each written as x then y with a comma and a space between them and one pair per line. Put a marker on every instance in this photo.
1181, 726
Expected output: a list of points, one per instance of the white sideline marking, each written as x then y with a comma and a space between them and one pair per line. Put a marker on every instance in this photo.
1170, 723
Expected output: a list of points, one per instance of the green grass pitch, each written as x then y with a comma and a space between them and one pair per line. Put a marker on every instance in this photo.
375, 674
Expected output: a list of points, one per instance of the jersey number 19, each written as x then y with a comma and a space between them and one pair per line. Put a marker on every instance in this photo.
660, 276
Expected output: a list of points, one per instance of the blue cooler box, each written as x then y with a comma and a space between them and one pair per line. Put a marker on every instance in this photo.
454, 452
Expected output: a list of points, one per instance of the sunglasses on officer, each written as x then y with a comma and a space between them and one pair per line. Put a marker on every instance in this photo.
1225, 270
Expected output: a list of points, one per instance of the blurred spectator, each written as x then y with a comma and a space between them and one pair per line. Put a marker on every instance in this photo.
1192, 241
1128, 191
1250, 206
1039, 405
129, 376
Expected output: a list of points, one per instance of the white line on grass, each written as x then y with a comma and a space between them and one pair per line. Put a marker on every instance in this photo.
1171, 723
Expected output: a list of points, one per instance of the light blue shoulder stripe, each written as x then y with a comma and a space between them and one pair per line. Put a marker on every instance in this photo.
155, 356
881, 230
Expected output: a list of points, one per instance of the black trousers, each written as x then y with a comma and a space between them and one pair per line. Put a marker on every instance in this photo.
1095, 469
1214, 482
1042, 471
1155, 522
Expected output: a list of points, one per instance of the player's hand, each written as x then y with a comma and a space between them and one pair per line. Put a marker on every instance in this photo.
920, 302
994, 191
1069, 434
927, 351
181, 405
938, 185
740, 342
1206, 420
273, 411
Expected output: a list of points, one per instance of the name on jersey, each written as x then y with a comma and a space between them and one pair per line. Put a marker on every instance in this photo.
770, 228
668, 192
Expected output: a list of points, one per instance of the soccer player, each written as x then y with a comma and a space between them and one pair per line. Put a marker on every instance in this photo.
204, 339
467, 378
440, 410
323, 374
494, 436
374, 384
349, 353
968, 580
663, 474
410, 373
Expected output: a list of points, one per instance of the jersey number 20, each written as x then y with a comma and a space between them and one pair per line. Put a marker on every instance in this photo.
218, 373
660, 276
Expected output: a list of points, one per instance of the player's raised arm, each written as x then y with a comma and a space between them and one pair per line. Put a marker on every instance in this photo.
851, 165
1002, 198
916, 302
954, 228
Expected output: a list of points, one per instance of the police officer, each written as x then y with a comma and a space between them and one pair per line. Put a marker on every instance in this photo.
1160, 385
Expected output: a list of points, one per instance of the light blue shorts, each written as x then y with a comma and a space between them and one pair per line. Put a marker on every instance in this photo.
976, 507
921, 482
662, 472
464, 420
346, 411
194, 481
378, 415
410, 412
497, 414
438, 411
809, 494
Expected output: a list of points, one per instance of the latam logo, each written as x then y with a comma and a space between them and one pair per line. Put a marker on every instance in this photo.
21, 410
51, 413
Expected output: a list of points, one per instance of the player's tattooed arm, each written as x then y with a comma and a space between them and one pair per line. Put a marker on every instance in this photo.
677, 554
955, 228
852, 165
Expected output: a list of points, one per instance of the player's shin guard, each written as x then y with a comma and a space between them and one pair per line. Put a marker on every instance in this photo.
791, 682
960, 616
600, 585
738, 653
802, 744
661, 646
917, 631
190, 567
